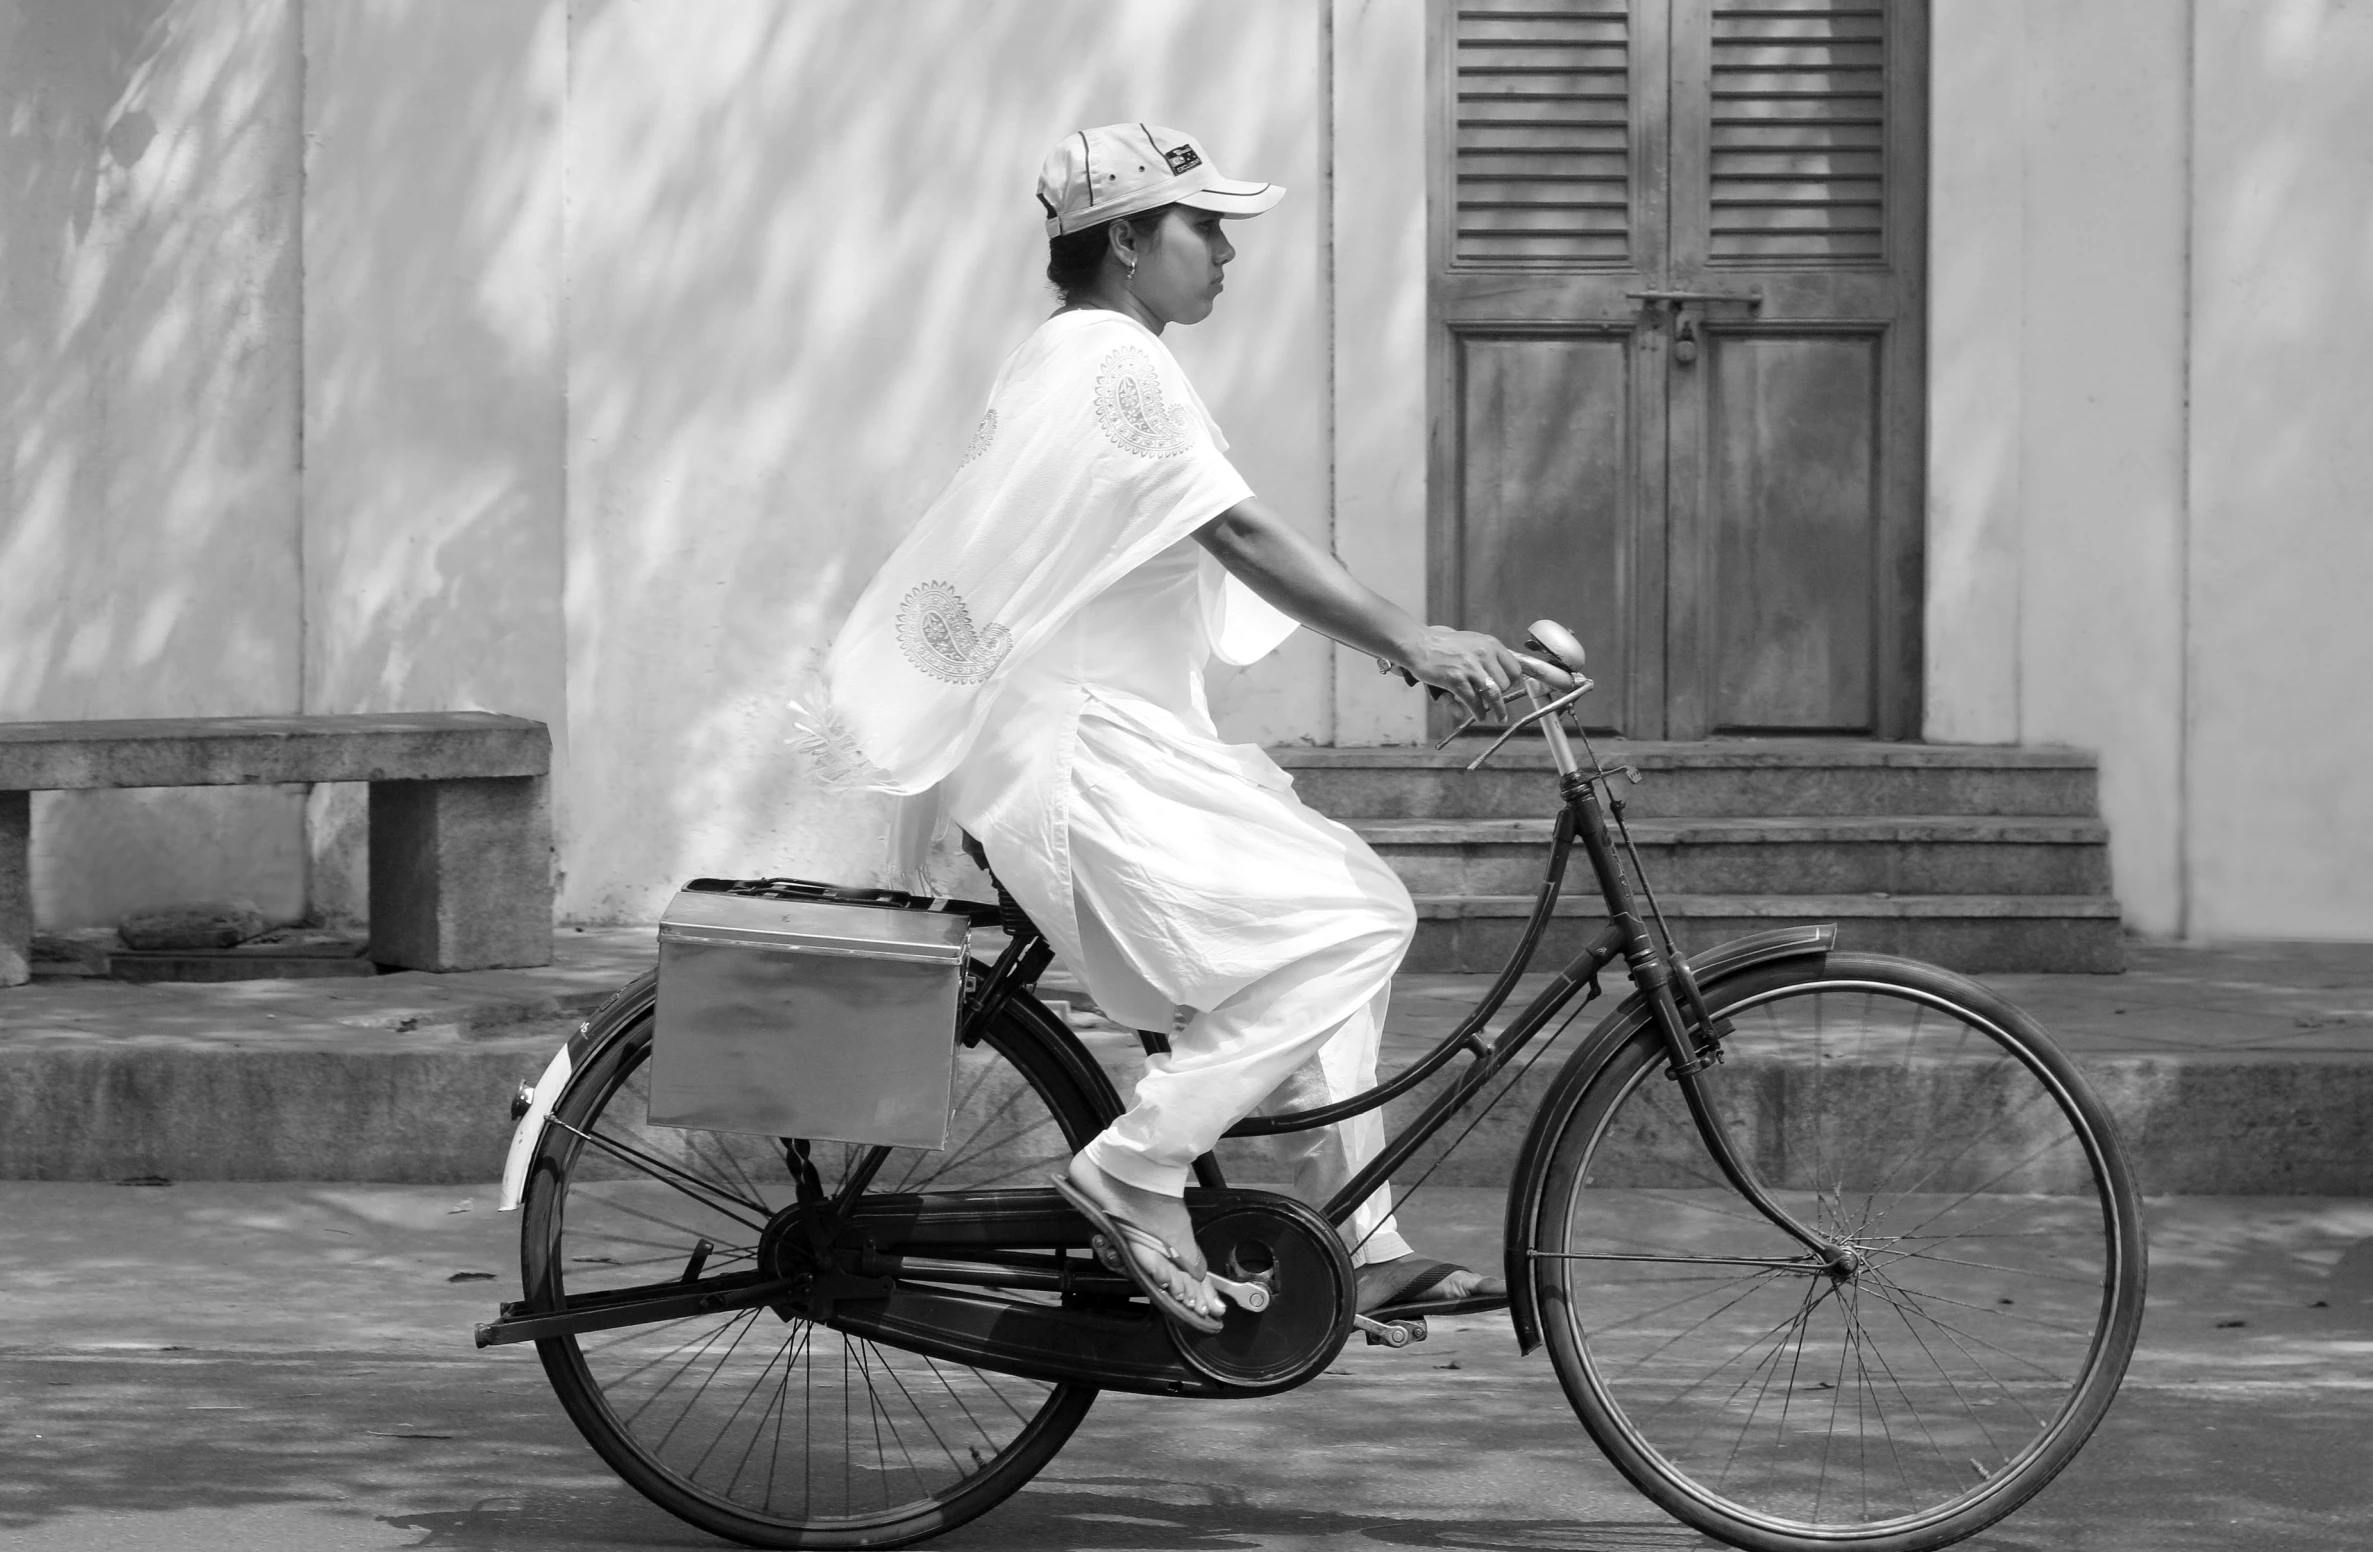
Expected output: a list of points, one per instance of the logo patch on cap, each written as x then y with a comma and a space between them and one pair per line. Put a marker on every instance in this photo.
1181, 158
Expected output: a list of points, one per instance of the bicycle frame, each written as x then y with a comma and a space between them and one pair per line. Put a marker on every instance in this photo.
1663, 978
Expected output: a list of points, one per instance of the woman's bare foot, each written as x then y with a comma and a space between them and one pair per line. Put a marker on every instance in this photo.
1183, 1274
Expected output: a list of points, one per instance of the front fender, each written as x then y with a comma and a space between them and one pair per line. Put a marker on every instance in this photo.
1710, 969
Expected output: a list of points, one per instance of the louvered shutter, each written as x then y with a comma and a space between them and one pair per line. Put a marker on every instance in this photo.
1798, 114
1542, 169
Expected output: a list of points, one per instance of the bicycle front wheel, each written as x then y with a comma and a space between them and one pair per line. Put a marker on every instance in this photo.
774, 1430
1911, 1397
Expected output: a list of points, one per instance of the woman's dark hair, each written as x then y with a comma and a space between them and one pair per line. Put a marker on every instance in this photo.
1075, 259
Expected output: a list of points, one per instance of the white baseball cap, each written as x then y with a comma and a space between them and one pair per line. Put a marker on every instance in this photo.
1099, 175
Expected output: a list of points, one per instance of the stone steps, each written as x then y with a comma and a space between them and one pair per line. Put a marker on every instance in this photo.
1925, 855
1747, 778
1979, 858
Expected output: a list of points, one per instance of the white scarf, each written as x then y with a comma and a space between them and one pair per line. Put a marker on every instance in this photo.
1095, 455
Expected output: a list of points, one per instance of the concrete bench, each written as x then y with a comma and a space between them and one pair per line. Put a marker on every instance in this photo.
461, 819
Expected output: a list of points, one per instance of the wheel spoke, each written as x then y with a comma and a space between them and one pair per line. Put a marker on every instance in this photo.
1785, 1264
1946, 1374
707, 1193
1769, 1368
1996, 1266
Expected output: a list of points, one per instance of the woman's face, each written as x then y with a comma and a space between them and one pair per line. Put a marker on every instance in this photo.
1179, 266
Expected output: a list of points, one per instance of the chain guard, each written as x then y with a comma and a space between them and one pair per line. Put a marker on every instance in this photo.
1275, 1241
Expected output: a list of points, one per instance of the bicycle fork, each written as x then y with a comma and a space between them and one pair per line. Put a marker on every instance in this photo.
1691, 1042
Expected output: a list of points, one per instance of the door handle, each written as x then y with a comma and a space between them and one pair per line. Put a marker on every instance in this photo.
1681, 298
1685, 310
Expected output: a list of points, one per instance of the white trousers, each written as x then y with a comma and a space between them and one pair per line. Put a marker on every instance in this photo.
1172, 870
1270, 1048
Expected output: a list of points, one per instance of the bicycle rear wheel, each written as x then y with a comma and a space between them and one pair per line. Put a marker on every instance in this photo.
781, 1432
1931, 1387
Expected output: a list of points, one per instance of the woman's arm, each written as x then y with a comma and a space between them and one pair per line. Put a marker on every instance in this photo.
1264, 551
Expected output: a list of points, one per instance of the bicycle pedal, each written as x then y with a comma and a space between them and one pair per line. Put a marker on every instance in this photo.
1390, 1333
1248, 1296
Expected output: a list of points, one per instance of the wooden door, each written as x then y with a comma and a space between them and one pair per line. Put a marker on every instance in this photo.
1679, 388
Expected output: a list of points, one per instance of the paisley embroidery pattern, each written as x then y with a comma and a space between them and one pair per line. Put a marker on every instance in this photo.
981, 438
936, 633
1130, 407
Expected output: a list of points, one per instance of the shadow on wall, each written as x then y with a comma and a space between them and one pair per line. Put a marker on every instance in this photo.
797, 242
800, 241
433, 391
148, 497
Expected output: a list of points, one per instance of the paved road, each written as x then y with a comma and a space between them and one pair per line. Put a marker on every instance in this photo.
269, 1367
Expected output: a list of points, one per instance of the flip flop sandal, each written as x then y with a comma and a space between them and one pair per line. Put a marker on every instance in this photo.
1121, 1239
1403, 1290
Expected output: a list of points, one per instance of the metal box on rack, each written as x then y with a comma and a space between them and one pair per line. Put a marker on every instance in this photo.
797, 1018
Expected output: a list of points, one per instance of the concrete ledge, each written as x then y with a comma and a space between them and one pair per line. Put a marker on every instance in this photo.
420, 1115
440, 1111
2204, 1128
2243, 1071
2064, 934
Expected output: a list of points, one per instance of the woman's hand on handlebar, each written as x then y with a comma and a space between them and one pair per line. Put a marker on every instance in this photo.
1476, 668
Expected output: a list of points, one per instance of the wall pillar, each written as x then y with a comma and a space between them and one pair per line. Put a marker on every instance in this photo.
1976, 274
1380, 442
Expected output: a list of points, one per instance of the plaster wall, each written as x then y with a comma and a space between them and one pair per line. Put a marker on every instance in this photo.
2101, 483
432, 381
2057, 419
2153, 253
148, 426
788, 290
2280, 812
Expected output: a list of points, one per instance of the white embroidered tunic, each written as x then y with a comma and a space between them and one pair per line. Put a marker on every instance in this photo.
1052, 619
1094, 456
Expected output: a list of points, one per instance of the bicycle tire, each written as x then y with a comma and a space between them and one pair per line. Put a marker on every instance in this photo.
1961, 1364
716, 1418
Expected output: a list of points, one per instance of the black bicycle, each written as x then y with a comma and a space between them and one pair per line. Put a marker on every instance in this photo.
1828, 1249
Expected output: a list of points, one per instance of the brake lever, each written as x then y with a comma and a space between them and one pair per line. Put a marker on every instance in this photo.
1581, 688
1461, 728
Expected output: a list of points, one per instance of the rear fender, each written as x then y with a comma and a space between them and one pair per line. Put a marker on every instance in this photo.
533, 1107
1630, 1016
1077, 1062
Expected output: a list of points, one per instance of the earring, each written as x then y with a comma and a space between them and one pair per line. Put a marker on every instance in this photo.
1130, 279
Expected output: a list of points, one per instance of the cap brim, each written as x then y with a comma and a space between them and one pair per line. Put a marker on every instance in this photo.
1230, 198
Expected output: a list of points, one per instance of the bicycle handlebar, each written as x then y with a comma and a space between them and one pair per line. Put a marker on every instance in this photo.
1559, 666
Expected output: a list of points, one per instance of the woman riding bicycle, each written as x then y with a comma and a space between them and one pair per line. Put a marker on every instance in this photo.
1035, 649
